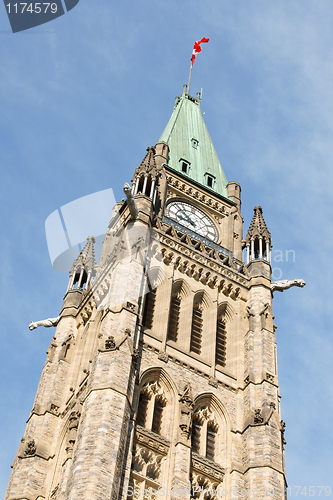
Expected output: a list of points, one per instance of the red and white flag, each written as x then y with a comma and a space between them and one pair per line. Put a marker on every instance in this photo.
197, 48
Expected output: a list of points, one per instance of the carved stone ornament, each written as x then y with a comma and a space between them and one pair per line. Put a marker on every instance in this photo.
186, 411
258, 418
279, 286
205, 413
265, 314
147, 461
213, 381
54, 409
30, 448
152, 440
204, 467
72, 430
137, 246
250, 316
163, 356
135, 355
131, 307
110, 343
283, 428
45, 322
154, 388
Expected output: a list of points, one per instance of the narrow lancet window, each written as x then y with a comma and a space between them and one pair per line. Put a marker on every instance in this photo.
173, 319
221, 343
196, 331
142, 410
157, 416
148, 315
210, 442
195, 438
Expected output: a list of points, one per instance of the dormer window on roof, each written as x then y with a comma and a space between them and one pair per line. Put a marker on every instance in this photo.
210, 180
184, 166
194, 143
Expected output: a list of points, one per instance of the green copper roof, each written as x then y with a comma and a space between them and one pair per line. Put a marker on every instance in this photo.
188, 139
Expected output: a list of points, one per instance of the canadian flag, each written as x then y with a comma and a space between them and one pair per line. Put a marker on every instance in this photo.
197, 48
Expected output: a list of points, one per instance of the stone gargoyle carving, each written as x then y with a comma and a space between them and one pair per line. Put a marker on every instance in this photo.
279, 286
130, 200
45, 322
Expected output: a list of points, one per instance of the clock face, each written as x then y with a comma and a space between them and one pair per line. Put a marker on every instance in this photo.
192, 218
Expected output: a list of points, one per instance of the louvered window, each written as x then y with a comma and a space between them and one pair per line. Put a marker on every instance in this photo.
157, 416
173, 319
148, 315
221, 343
195, 438
142, 410
210, 442
196, 331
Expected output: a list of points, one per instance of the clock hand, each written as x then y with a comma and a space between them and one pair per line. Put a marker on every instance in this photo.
186, 216
187, 219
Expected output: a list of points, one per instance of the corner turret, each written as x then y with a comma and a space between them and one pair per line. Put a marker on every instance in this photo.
84, 266
258, 239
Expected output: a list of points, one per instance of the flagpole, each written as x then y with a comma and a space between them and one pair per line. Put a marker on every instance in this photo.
196, 50
189, 79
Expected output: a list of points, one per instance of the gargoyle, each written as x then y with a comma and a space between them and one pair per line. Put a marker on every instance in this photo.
279, 286
130, 201
45, 322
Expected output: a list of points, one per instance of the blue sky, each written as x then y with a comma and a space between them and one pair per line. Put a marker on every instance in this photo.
82, 98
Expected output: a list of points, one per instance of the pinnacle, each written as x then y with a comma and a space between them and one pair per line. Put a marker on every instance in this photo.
149, 159
258, 225
148, 164
86, 258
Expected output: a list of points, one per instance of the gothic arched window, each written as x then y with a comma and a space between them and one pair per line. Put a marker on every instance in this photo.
173, 324
221, 342
196, 330
204, 433
154, 426
152, 402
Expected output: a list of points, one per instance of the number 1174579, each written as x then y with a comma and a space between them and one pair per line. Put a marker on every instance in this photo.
37, 8
309, 491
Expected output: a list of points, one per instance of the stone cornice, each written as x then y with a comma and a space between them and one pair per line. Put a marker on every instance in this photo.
200, 266
208, 467
151, 440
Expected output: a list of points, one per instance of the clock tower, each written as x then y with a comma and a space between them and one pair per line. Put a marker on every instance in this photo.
161, 379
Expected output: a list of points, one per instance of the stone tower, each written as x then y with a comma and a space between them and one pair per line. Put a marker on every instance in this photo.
161, 378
